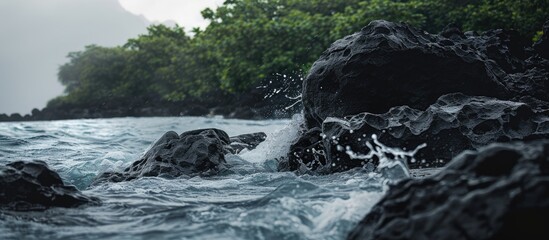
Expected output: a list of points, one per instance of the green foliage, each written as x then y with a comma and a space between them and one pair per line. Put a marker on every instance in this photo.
255, 39
94, 74
526, 16
250, 41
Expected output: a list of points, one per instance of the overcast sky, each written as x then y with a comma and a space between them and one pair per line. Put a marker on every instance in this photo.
36, 36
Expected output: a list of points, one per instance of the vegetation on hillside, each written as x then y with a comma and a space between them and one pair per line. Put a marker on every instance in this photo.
255, 41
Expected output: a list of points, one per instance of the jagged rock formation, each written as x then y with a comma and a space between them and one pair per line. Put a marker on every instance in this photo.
453, 124
498, 192
197, 152
392, 64
30, 186
454, 91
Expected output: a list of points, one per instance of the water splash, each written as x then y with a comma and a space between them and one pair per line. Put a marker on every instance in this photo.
392, 161
277, 144
284, 88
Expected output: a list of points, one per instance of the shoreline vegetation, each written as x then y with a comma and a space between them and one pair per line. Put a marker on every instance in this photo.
251, 60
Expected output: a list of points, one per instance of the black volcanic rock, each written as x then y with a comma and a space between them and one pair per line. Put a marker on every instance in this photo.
455, 123
498, 192
191, 153
29, 186
392, 64
306, 154
453, 91
196, 152
246, 141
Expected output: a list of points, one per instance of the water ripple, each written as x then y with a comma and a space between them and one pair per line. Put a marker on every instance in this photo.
252, 201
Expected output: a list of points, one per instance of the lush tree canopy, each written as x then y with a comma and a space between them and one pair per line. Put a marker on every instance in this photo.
251, 41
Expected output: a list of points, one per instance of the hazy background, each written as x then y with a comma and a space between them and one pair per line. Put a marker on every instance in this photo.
36, 36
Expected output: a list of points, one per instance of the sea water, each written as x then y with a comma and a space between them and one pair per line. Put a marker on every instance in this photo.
254, 201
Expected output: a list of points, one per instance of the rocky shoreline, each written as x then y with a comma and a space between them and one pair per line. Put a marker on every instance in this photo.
253, 106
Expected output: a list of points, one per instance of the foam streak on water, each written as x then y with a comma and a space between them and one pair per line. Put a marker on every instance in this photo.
252, 202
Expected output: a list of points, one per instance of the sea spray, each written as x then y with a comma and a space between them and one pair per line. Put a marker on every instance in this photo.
392, 161
283, 91
277, 144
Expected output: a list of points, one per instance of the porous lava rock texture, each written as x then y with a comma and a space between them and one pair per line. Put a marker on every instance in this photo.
390, 64
196, 152
31, 186
454, 123
452, 91
498, 192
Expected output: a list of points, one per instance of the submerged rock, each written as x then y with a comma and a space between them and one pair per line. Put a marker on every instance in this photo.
191, 153
392, 64
29, 186
197, 152
498, 192
246, 141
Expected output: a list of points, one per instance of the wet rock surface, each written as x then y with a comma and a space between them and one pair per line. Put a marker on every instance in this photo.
306, 154
246, 141
498, 192
31, 186
453, 124
196, 152
392, 64
453, 91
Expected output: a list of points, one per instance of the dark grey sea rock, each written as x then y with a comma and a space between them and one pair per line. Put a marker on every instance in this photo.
306, 154
198, 152
498, 192
453, 91
191, 153
246, 141
30, 186
392, 64
453, 124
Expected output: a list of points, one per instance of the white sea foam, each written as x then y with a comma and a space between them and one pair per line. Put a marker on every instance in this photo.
247, 203
277, 144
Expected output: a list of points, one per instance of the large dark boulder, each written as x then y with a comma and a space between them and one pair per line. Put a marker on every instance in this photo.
453, 91
29, 186
392, 64
197, 152
498, 192
455, 123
